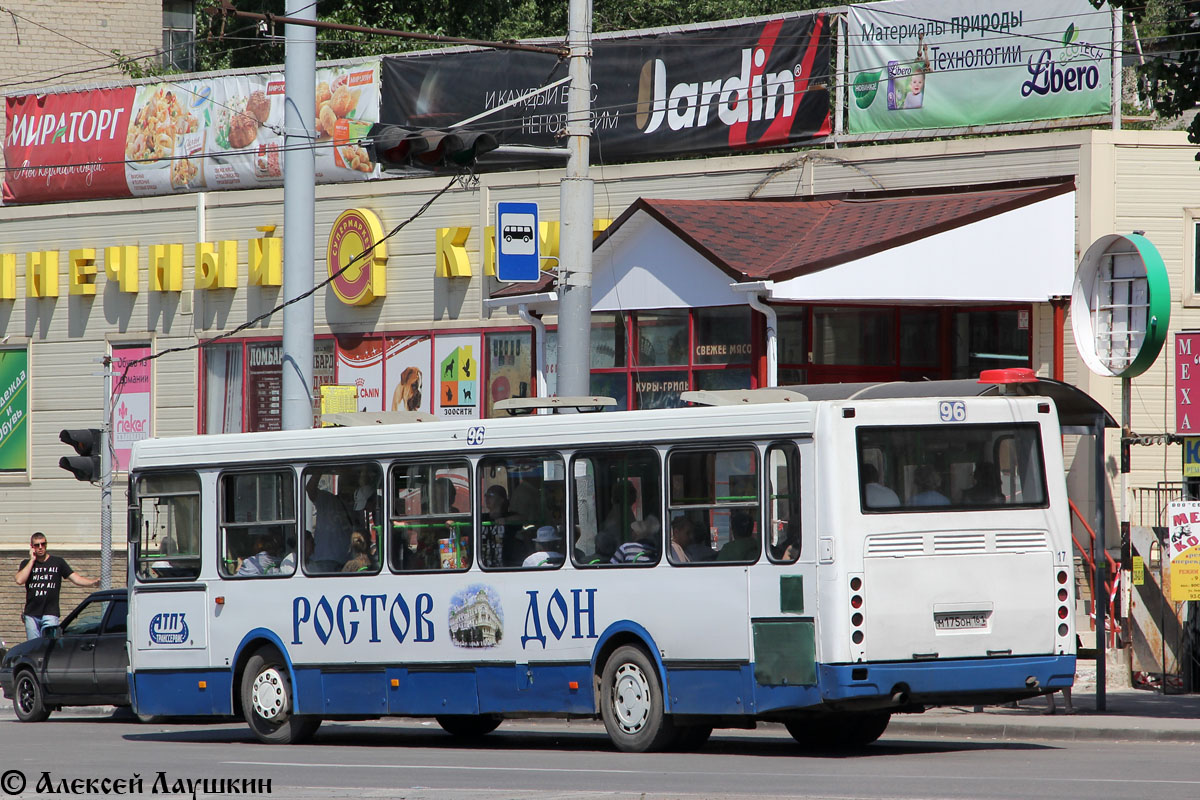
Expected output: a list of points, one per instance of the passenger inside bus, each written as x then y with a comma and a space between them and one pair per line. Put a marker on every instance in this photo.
548, 553
877, 495
360, 558
268, 554
645, 546
333, 522
743, 544
928, 484
986, 489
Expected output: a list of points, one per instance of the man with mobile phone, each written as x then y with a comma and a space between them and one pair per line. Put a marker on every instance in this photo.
41, 575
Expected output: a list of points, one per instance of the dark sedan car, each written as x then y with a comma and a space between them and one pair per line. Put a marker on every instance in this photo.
80, 663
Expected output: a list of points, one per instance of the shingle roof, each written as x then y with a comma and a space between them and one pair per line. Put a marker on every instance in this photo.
776, 239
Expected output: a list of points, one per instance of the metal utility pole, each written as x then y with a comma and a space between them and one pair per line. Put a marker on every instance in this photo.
575, 202
299, 166
106, 479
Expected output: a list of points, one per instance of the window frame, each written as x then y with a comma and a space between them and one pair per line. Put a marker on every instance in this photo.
392, 539
673, 509
656, 511
135, 533
305, 503
480, 500
223, 526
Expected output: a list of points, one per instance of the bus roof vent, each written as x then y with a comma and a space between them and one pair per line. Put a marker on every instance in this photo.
527, 405
739, 397
350, 419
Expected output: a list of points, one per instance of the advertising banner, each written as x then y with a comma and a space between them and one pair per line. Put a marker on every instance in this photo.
360, 364
1183, 548
919, 64
184, 136
1187, 383
456, 359
132, 401
718, 88
407, 369
14, 410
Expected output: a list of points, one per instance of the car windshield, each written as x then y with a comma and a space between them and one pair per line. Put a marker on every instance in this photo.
88, 619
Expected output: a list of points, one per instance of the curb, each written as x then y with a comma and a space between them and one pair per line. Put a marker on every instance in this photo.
1025, 730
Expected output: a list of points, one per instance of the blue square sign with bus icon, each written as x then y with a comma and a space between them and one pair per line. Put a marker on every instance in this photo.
517, 242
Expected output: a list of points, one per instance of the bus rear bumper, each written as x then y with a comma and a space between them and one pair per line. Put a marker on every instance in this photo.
946, 682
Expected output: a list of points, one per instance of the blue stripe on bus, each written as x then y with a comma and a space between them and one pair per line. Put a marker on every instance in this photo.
179, 693
933, 678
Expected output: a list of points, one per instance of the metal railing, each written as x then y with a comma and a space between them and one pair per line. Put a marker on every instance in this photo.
1149, 503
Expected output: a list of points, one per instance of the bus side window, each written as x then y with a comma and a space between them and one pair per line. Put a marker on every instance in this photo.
783, 503
343, 512
717, 492
430, 517
258, 524
520, 495
618, 503
167, 513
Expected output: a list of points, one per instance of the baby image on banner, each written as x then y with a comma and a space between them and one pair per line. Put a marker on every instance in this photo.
407, 370
457, 380
360, 364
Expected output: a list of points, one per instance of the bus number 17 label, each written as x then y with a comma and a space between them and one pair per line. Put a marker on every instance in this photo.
952, 410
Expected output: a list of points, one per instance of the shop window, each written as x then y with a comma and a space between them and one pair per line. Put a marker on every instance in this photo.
614, 385
920, 344
617, 508
431, 517
510, 367
258, 524
722, 335
989, 340
165, 519
792, 335
608, 341
852, 336
243, 384
662, 338
519, 497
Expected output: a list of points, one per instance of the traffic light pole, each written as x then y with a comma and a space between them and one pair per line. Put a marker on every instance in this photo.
106, 480
576, 203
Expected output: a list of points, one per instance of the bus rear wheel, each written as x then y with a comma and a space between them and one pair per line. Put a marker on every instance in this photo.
267, 701
469, 726
631, 703
839, 731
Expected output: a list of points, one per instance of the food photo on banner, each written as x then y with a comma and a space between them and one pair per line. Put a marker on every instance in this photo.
923, 64
720, 88
189, 135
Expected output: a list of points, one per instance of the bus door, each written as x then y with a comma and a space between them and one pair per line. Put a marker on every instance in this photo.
783, 583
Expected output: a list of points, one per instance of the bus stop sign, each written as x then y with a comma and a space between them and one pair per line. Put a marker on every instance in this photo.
517, 242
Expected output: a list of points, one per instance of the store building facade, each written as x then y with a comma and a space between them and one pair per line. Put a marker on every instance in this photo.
179, 277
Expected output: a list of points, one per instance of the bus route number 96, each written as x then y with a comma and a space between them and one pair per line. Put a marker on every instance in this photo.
952, 410
475, 435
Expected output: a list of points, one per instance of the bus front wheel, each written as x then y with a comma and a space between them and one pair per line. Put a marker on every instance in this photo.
267, 701
631, 702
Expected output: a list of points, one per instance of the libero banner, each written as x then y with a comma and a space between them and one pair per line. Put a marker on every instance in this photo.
184, 136
707, 89
920, 64
14, 410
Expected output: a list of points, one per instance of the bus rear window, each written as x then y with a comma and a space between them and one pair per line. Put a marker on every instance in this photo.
950, 467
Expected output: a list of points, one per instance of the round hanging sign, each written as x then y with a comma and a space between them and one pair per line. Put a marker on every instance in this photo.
354, 232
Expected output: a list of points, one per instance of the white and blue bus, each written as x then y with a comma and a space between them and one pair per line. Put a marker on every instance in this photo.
823, 564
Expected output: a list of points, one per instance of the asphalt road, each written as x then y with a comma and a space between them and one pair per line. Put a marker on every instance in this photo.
547, 760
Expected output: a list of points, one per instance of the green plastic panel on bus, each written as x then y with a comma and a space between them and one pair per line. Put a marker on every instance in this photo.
785, 653
791, 594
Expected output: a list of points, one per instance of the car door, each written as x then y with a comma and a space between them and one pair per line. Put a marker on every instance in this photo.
70, 659
111, 656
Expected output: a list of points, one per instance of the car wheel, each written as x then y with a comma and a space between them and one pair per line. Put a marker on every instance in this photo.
28, 700
267, 701
469, 726
631, 702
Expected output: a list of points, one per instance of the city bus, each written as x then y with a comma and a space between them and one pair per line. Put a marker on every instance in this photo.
767, 557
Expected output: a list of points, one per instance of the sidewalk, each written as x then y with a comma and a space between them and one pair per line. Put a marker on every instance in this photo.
1130, 714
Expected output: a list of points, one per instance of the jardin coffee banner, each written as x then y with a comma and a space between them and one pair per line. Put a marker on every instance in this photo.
710, 89
919, 64
184, 136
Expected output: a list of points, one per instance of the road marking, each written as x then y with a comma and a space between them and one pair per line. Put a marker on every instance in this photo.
575, 770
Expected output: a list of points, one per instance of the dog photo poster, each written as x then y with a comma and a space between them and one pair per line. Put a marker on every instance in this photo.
406, 368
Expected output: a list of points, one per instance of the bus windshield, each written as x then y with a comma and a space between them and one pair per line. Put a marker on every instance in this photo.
923, 468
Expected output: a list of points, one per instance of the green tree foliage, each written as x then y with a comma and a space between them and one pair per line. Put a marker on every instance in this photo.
492, 20
1169, 33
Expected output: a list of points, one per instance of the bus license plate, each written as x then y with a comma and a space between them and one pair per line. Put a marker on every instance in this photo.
959, 622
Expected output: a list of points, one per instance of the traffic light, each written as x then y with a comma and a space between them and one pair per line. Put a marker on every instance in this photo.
397, 147
87, 443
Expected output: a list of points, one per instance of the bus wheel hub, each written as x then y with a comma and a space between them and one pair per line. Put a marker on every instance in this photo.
631, 698
270, 696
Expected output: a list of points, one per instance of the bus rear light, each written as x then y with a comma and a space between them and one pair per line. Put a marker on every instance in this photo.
856, 583
856, 601
1062, 595
1063, 612
857, 638
857, 620
1063, 629
1062, 576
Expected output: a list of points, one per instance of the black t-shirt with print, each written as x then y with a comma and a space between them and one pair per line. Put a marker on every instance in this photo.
41, 590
